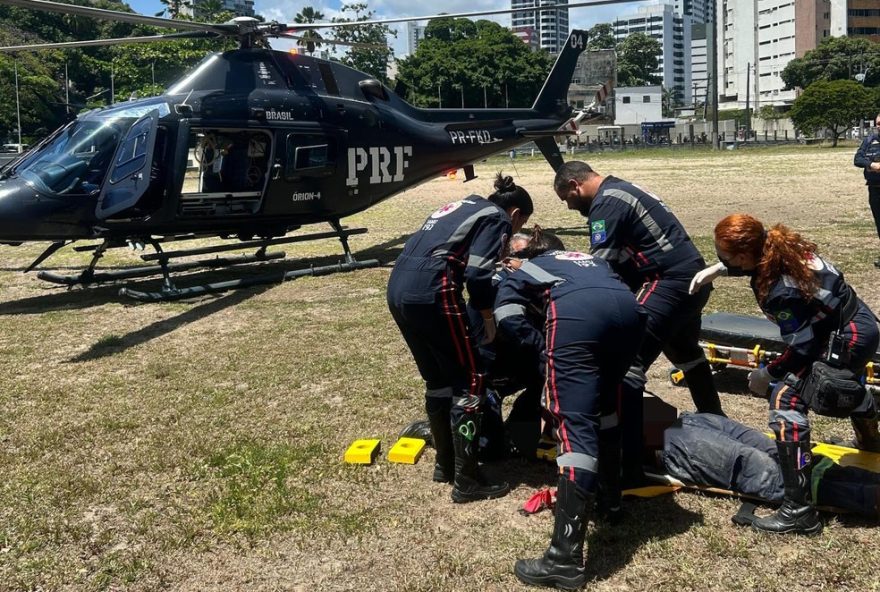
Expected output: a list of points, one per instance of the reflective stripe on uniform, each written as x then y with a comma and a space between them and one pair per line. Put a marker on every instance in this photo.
578, 460
539, 274
462, 231
642, 214
606, 422
787, 415
481, 262
509, 310
612, 255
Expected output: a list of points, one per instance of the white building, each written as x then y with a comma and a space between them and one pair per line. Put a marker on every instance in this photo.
637, 104
700, 11
758, 38
414, 35
699, 64
673, 31
549, 28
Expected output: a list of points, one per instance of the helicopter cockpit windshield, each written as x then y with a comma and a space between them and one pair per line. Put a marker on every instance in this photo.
76, 160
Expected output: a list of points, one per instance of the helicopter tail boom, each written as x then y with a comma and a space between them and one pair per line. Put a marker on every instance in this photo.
553, 97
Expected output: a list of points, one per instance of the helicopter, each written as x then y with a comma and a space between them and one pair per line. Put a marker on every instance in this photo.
250, 145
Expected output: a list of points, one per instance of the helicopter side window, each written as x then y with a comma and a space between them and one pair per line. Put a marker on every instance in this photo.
76, 161
329, 79
133, 152
309, 156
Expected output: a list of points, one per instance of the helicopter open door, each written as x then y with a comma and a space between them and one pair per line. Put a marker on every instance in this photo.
130, 174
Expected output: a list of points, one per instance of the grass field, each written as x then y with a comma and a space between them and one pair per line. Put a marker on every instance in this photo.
198, 445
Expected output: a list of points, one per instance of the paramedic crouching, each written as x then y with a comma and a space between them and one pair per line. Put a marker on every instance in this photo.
458, 246
820, 318
592, 332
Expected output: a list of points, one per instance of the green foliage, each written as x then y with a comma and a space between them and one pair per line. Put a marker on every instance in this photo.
834, 105
769, 113
474, 63
311, 40
373, 61
836, 58
139, 69
637, 60
600, 36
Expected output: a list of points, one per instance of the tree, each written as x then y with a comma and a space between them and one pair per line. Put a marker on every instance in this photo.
637, 60
483, 60
600, 36
835, 105
373, 61
311, 39
174, 7
836, 58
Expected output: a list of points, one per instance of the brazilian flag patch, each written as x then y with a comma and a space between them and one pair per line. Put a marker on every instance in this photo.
787, 321
597, 232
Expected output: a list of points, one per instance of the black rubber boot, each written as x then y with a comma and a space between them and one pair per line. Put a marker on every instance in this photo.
420, 429
441, 434
469, 485
703, 392
562, 565
867, 435
796, 515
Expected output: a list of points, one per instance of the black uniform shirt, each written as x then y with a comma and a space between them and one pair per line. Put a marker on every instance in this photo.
805, 323
640, 238
469, 236
867, 153
545, 279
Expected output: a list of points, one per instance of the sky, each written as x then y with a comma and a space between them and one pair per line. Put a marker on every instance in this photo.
285, 10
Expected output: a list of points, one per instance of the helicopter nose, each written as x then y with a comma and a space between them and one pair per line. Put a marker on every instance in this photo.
19, 219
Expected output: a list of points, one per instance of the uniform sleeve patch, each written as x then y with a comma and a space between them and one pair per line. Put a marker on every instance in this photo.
787, 322
597, 232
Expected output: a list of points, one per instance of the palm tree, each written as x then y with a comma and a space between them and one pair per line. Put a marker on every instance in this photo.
311, 40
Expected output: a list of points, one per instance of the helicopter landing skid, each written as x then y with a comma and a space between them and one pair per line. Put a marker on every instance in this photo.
179, 293
84, 279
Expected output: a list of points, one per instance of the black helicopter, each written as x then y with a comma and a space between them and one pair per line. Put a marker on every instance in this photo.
251, 144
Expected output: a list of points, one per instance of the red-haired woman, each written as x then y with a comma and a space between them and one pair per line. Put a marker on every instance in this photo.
808, 299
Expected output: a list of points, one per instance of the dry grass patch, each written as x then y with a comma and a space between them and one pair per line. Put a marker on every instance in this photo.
197, 445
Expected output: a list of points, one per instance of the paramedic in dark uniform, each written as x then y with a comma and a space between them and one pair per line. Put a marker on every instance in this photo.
808, 299
457, 247
591, 336
647, 246
868, 158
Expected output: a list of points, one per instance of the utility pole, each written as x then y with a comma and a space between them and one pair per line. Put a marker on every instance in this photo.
748, 118
17, 105
506, 98
712, 26
485, 101
112, 84
66, 89
439, 96
462, 96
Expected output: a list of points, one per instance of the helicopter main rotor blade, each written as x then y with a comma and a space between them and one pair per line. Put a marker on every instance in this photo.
116, 15
323, 41
407, 19
115, 41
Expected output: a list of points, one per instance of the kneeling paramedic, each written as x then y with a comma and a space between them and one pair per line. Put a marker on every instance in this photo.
824, 325
458, 246
647, 246
592, 333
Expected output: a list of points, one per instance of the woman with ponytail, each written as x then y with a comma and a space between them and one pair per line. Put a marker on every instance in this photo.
809, 300
592, 332
457, 247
